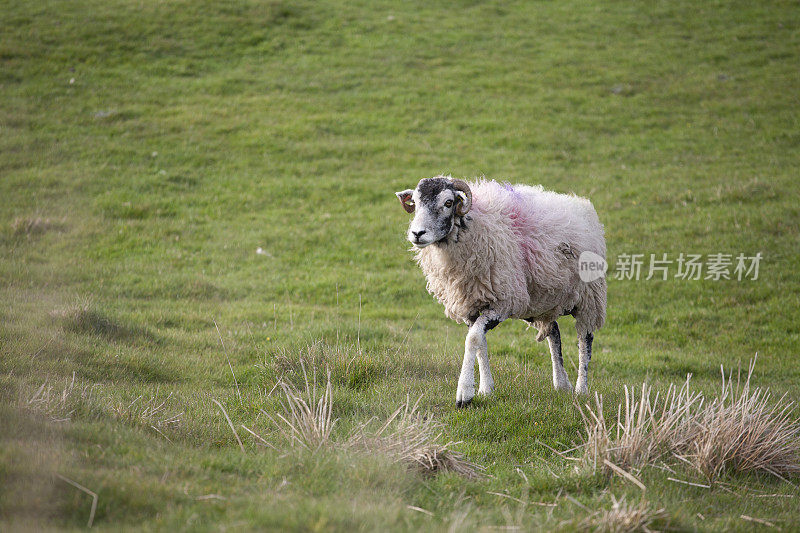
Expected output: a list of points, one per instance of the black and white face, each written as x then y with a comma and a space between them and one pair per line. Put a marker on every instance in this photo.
435, 204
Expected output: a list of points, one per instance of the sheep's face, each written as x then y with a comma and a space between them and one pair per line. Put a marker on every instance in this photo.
436, 202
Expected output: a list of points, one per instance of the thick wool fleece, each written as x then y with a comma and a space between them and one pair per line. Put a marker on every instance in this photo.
516, 254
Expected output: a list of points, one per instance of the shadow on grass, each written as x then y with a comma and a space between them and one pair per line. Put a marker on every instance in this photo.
83, 318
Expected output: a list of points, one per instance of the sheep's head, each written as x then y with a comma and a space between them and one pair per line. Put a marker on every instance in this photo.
436, 204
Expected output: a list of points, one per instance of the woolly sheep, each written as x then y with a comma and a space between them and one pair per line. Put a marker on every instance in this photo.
493, 251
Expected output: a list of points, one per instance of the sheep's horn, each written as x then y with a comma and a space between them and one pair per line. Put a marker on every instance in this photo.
463, 207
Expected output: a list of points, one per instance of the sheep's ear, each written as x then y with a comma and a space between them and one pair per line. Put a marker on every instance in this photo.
463, 203
405, 199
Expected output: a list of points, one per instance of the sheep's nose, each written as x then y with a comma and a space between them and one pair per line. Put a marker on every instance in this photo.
418, 234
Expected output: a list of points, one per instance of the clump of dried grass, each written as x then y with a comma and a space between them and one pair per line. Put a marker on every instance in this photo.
150, 411
645, 427
35, 225
406, 436
622, 517
744, 429
61, 403
306, 419
413, 439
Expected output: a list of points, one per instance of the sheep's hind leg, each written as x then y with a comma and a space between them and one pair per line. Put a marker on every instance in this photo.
475, 346
584, 356
560, 378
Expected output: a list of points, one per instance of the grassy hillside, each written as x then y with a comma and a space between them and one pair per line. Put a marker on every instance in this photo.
148, 150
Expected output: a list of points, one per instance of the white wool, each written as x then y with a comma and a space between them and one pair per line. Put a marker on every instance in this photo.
518, 256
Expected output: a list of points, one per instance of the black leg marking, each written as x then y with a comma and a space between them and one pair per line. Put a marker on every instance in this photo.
588, 340
490, 324
555, 338
464, 404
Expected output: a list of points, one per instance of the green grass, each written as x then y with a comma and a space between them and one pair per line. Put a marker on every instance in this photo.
148, 149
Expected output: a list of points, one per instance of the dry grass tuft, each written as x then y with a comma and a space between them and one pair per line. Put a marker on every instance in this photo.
307, 421
645, 428
623, 517
35, 225
58, 403
406, 436
742, 430
415, 440
150, 411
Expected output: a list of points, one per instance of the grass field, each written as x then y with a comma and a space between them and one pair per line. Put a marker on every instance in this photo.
148, 149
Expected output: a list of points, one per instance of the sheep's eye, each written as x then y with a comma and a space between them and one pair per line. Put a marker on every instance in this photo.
448, 203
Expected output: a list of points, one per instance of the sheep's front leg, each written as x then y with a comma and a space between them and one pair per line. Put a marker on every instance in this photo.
584, 356
475, 346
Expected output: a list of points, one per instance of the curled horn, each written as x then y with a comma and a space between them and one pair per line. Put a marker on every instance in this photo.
463, 207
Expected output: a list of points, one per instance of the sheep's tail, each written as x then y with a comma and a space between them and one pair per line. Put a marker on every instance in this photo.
592, 310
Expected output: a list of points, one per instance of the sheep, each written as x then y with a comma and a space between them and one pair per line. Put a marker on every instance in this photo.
492, 251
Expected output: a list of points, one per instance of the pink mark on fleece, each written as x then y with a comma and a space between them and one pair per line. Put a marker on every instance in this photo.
515, 205
522, 224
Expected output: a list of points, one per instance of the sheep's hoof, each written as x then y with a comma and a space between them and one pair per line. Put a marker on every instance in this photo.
581, 389
464, 394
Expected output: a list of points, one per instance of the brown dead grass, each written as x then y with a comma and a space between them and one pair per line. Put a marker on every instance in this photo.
35, 225
645, 428
58, 402
406, 436
306, 419
61, 402
415, 440
622, 517
743, 429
